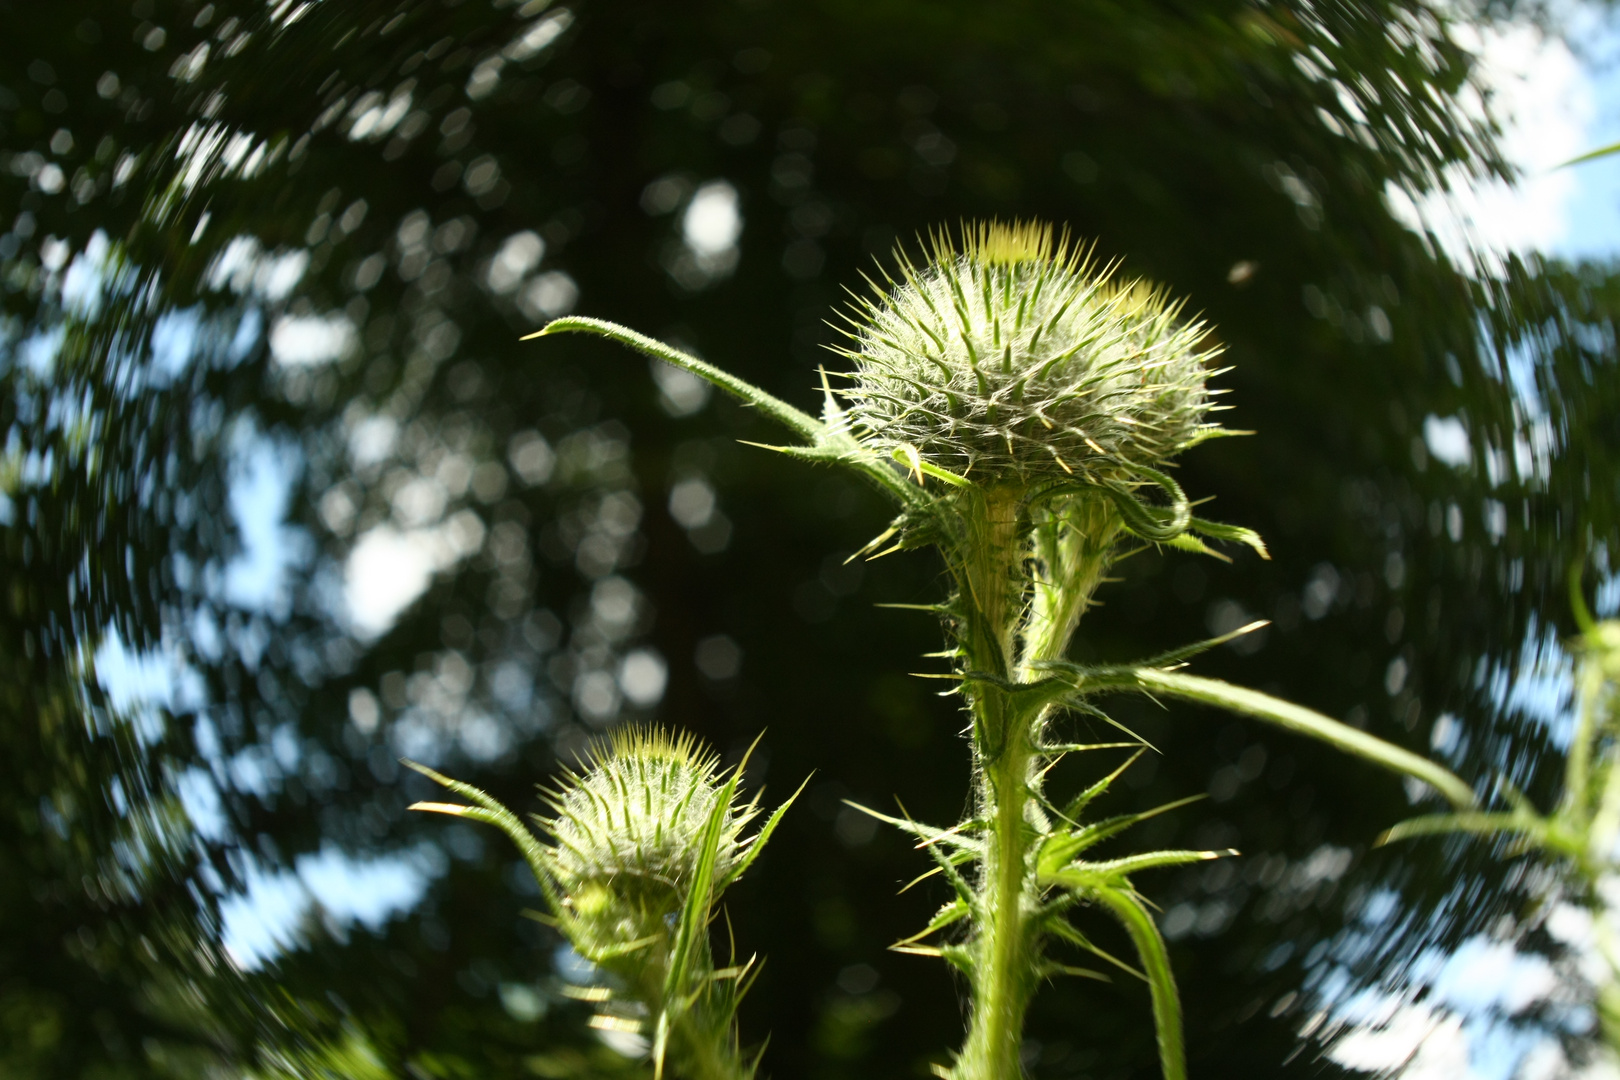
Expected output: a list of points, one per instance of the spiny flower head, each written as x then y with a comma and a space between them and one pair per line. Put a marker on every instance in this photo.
632, 820
1011, 355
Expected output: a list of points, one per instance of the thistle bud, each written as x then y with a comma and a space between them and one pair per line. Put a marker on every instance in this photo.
647, 835
1012, 356
631, 824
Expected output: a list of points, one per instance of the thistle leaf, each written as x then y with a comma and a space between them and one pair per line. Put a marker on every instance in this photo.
757, 844
958, 957
960, 858
1048, 968
1078, 748
802, 423
690, 928
927, 833
1128, 908
660, 1046
1150, 522
1479, 824
1065, 931
1087, 875
813, 454
1059, 848
1077, 805
1236, 533
918, 950
491, 812
1188, 542
1124, 672
1296, 718
952, 912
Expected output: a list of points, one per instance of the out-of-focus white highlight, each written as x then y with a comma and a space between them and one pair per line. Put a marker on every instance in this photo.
1447, 440
305, 340
389, 568
713, 221
643, 676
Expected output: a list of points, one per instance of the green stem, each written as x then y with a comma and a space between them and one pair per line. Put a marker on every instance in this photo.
1023, 621
1002, 984
702, 1038
706, 1048
991, 578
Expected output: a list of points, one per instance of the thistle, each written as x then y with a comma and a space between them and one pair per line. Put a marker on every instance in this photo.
1580, 836
629, 832
648, 834
1021, 407
1016, 357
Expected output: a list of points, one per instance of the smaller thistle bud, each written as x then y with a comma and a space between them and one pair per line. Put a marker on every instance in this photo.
648, 827
632, 822
1011, 356
647, 834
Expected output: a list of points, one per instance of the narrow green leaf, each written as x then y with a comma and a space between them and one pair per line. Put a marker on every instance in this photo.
1113, 870
692, 925
813, 454
960, 957
918, 950
960, 858
1592, 155
614, 952
491, 812
1156, 523
757, 844
1188, 542
1305, 721
1139, 924
1064, 930
1079, 748
1027, 696
927, 833
1059, 848
1077, 805
952, 912
1082, 674
912, 458
1236, 533
1479, 824
1048, 968
660, 1047
803, 423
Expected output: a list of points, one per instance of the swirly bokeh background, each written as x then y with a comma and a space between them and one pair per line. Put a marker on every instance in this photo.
282, 500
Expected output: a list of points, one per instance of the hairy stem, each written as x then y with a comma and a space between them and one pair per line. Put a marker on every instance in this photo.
702, 1038
706, 1047
991, 577
1002, 982
1020, 621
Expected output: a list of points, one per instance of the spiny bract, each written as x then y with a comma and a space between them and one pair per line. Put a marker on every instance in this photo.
634, 818
1015, 356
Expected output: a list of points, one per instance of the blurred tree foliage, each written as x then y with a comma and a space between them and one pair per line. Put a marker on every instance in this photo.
268, 262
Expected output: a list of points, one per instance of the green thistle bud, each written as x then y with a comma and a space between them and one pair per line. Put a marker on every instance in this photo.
1016, 357
648, 835
632, 822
